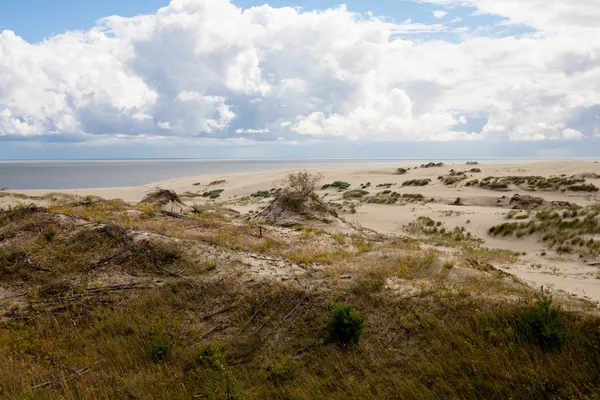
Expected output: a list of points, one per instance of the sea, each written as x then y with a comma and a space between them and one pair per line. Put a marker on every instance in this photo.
72, 174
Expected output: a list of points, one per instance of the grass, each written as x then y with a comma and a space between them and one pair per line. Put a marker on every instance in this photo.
355, 194
341, 185
570, 231
436, 230
532, 183
417, 182
228, 334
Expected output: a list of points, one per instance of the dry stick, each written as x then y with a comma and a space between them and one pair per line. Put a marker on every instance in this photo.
216, 328
175, 274
174, 215
252, 317
288, 314
263, 258
269, 318
14, 296
221, 311
72, 375
396, 332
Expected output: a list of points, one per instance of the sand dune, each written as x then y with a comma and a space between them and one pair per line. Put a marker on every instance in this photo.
477, 210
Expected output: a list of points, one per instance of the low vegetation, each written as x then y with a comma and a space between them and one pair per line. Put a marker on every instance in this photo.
341, 185
401, 171
432, 165
533, 183
435, 229
417, 182
103, 299
571, 230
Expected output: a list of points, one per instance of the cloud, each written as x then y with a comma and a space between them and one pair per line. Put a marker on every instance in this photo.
210, 69
440, 14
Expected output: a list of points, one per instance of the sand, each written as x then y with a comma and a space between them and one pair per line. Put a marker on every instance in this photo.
478, 212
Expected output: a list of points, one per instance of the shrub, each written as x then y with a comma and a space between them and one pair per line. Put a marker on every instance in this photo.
401, 171
417, 182
158, 348
345, 325
543, 324
213, 194
50, 233
303, 182
355, 194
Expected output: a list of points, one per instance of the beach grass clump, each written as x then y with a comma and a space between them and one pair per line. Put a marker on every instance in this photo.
417, 182
213, 194
265, 194
340, 185
432, 165
355, 194
574, 183
161, 196
472, 163
569, 231
436, 230
401, 171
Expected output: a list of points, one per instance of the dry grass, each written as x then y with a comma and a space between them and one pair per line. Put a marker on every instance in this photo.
216, 335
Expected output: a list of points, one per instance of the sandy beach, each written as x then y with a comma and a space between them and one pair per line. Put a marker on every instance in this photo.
460, 204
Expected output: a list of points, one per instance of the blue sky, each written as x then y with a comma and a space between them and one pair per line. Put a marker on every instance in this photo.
94, 79
36, 20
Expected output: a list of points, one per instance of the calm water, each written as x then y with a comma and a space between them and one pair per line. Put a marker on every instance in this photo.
117, 173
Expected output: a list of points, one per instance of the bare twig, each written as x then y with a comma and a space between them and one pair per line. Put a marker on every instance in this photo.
174, 214
221, 311
252, 317
77, 373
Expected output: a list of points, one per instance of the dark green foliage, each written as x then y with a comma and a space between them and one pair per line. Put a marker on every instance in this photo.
338, 185
158, 348
417, 182
543, 324
213, 194
50, 233
432, 164
583, 188
345, 325
401, 171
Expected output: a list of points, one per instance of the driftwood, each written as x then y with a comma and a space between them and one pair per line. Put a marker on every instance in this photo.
174, 214
72, 375
221, 311
252, 317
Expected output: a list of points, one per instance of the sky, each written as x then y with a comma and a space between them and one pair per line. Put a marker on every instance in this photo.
293, 78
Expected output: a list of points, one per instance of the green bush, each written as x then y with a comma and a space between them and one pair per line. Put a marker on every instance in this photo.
158, 348
50, 233
345, 325
543, 324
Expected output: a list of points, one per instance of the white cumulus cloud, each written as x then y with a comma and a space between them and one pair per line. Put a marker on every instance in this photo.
208, 68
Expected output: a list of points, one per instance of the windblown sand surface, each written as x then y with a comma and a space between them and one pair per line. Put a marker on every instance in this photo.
477, 210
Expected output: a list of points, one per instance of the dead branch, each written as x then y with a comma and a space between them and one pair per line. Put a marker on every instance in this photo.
252, 317
221, 311
174, 214
72, 375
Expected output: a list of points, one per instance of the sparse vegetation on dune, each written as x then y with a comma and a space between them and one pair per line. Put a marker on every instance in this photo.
574, 229
417, 182
340, 185
104, 299
533, 183
432, 165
